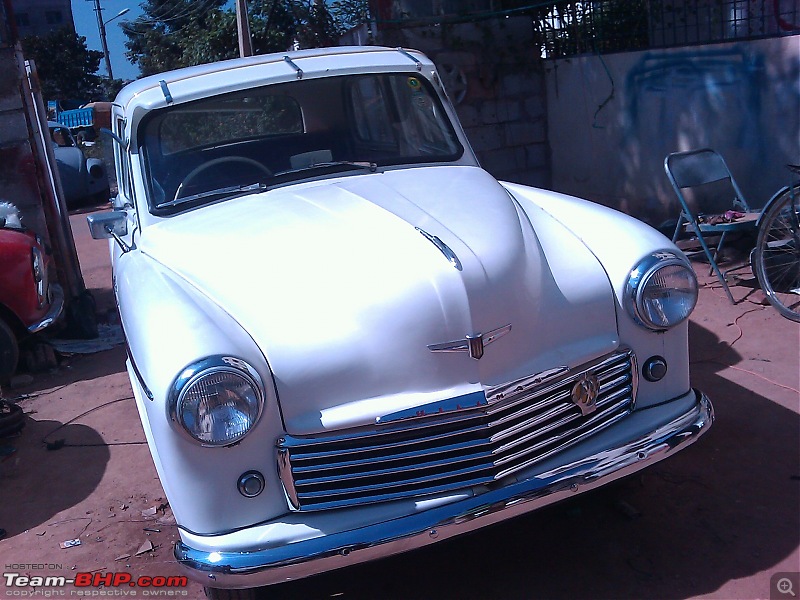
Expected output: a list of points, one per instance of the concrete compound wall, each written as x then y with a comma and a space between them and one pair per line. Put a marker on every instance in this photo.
613, 119
495, 79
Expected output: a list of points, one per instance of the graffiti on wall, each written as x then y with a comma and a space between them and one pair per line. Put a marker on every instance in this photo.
733, 99
696, 96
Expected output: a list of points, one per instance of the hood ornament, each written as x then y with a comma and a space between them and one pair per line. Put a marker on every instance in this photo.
474, 344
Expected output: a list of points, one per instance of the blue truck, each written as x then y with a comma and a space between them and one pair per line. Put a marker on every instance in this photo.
80, 121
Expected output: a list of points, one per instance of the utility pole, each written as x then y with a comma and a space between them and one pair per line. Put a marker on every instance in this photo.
242, 28
102, 27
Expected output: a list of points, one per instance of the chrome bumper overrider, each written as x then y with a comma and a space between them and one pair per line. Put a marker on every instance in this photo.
304, 558
56, 307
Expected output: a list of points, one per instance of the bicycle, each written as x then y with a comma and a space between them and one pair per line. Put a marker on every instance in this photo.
776, 258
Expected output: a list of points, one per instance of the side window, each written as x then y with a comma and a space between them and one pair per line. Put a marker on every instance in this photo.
371, 113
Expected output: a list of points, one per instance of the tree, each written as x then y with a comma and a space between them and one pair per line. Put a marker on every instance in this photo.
67, 68
348, 14
177, 33
158, 38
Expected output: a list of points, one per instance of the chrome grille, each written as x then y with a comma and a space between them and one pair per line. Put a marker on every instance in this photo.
521, 425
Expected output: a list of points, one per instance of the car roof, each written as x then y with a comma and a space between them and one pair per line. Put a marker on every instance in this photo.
276, 66
202, 81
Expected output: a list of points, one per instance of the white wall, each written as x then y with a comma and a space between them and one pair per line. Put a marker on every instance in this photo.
613, 119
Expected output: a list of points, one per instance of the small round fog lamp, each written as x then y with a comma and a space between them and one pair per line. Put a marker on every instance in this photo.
654, 368
251, 484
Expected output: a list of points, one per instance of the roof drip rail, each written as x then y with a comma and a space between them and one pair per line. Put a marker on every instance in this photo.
292, 64
408, 55
166, 92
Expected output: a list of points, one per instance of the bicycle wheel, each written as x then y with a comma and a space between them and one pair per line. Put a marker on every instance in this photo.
777, 254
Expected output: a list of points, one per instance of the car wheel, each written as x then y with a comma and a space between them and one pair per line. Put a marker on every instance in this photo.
220, 594
9, 351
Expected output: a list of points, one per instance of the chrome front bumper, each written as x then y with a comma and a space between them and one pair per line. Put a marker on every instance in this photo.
329, 552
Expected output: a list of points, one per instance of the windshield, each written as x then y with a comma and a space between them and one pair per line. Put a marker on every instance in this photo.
246, 141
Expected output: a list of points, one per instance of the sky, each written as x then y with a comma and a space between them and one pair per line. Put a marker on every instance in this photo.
86, 25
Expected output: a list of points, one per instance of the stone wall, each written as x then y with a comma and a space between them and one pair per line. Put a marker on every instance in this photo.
496, 83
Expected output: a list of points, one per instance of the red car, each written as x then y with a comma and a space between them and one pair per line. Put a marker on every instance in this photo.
28, 302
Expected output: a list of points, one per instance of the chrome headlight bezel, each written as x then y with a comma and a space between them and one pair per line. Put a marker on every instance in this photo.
642, 276
201, 370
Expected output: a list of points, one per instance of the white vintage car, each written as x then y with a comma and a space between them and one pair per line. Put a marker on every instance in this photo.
347, 340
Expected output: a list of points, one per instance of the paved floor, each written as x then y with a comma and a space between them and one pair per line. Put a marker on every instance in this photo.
717, 521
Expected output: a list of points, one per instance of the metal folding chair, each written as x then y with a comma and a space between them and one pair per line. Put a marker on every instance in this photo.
697, 168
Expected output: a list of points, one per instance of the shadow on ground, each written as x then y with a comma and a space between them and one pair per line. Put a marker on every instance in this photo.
66, 474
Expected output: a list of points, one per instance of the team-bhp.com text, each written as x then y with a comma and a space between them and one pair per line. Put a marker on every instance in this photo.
93, 584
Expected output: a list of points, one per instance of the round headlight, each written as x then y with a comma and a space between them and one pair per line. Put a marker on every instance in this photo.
661, 291
217, 400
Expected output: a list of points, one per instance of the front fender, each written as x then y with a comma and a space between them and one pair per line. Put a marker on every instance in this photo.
72, 172
168, 325
619, 242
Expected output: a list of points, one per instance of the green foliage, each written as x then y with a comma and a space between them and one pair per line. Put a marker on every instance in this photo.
349, 13
67, 68
177, 33
570, 28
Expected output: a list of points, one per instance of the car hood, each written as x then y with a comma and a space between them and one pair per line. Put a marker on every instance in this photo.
344, 294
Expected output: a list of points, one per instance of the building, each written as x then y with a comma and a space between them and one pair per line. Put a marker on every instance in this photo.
38, 17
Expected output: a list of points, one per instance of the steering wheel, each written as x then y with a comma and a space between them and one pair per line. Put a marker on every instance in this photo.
193, 174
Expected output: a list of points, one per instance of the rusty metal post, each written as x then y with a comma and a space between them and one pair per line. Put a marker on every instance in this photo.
243, 29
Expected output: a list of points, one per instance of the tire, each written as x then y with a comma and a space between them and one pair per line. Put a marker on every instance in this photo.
12, 419
777, 253
9, 351
224, 594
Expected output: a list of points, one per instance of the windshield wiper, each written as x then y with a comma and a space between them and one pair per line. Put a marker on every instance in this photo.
234, 189
347, 164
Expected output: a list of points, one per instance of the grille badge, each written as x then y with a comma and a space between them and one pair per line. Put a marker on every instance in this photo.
585, 392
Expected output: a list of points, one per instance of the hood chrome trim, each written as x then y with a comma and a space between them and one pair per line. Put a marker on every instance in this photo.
443, 248
474, 344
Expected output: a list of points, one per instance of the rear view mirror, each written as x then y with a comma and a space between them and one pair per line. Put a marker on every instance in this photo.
108, 224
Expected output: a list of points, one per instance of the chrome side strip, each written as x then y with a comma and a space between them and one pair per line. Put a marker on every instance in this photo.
304, 558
